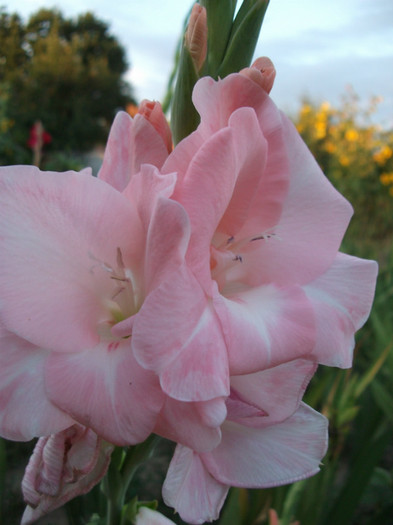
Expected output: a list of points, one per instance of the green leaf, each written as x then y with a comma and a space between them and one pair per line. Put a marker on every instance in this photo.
244, 37
184, 116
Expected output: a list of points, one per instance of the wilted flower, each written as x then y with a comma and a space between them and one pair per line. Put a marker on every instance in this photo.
63, 465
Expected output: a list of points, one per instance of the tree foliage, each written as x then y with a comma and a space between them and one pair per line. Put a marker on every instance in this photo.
67, 73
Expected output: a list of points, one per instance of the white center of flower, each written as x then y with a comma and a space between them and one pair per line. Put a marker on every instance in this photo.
122, 300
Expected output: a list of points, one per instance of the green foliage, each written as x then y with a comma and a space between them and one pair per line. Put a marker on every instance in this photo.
67, 73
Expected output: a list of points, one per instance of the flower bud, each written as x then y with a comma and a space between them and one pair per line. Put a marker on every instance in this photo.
262, 71
63, 466
152, 111
195, 38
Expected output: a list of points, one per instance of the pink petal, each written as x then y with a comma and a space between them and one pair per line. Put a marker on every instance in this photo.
178, 335
25, 410
104, 388
277, 391
275, 455
274, 325
57, 232
314, 219
204, 193
131, 143
342, 298
191, 490
182, 422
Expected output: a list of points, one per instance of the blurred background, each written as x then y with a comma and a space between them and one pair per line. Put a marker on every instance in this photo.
66, 69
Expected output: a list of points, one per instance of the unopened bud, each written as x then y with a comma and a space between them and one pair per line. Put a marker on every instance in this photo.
196, 36
152, 111
262, 71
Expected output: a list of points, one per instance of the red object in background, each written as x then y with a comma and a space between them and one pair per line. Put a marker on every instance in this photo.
38, 136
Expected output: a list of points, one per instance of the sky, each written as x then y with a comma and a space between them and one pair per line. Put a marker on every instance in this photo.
319, 47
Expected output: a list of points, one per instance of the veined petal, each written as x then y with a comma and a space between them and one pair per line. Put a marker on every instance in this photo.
313, 221
191, 490
105, 389
204, 193
57, 232
273, 324
178, 335
25, 410
342, 298
275, 455
131, 143
277, 391
192, 432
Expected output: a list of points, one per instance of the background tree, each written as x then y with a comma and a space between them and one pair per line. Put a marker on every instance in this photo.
67, 73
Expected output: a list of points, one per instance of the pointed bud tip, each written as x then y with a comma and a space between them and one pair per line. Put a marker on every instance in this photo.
196, 36
262, 71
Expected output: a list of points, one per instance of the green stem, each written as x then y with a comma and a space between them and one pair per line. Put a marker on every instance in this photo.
118, 481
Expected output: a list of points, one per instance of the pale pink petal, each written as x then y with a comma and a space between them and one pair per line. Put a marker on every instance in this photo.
25, 410
51, 479
191, 490
275, 455
131, 143
314, 219
178, 335
342, 298
277, 391
104, 388
147, 516
204, 193
192, 432
274, 325
145, 188
58, 234
250, 161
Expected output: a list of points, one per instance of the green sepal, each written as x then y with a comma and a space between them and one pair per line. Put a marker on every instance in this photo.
184, 116
244, 36
219, 26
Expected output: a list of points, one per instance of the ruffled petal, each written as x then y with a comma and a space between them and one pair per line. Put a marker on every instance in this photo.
342, 298
25, 410
277, 391
270, 456
183, 423
191, 490
178, 335
105, 389
272, 324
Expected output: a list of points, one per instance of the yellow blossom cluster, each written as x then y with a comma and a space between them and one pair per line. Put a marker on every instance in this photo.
357, 156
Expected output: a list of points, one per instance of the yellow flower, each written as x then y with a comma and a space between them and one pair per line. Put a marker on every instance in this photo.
344, 160
351, 135
382, 155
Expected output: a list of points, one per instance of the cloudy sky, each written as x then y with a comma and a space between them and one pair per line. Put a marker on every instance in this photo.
319, 47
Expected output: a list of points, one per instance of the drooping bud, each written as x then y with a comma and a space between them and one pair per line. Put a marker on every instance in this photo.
195, 38
152, 111
262, 72
63, 466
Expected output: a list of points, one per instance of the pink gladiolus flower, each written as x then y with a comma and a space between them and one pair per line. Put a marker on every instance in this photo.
63, 466
78, 256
